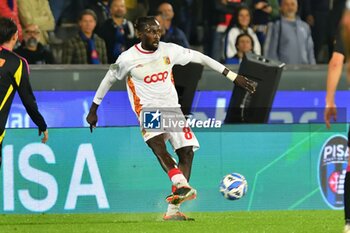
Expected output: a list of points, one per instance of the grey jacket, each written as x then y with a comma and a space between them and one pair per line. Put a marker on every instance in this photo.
290, 42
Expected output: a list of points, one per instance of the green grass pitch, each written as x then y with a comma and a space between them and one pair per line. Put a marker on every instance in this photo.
317, 221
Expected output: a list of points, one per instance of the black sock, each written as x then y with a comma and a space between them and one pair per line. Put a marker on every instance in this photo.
347, 197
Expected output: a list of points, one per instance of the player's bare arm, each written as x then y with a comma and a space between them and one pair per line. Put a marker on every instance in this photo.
239, 80
104, 87
333, 77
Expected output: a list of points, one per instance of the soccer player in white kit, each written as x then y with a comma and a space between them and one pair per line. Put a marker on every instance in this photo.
147, 69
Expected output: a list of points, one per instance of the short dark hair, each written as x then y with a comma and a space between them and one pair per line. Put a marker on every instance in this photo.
141, 22
87, 12
7, 29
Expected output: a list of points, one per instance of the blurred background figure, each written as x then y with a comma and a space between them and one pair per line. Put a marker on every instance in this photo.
324, 20
65, 11
172, 33
38, 12
224, 11
241, 23
188, 16
117, 32
31, 48
289, 39
57, 8
264, 11
9, 9
159, 18
101, 9
136, 8
86, 47
244, 43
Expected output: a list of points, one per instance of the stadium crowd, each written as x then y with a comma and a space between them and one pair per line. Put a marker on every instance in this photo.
98, 31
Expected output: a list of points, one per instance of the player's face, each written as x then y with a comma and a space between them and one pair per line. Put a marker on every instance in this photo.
150, 36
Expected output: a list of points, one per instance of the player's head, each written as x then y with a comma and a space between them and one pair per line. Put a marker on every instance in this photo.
149, 31
8, 31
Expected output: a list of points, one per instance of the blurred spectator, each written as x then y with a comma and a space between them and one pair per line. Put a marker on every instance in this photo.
159, 18
31, 49
243, 20
244, 43
325, 15
304, 11
289, 39
57, 8
38, 12
86, 47
136, 8
117, 32
172, 34
69, 14
264, 11
186, 17
224, 11
209, 25
101, 9
9, 9
65, 11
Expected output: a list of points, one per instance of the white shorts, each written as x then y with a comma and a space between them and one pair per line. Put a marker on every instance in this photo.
171, 123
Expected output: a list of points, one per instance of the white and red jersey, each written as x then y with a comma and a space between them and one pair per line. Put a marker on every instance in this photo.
149, 74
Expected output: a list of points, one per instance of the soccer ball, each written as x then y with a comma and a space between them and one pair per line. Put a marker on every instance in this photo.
233, 186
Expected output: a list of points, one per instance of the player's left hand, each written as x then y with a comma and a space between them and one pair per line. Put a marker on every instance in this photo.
245, 83
46, 135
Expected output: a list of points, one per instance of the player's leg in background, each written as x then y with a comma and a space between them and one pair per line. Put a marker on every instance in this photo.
185, 155
158, 147
347, 197
2, 135
157, 144
0, 154
347, 193
183, 142
182, 191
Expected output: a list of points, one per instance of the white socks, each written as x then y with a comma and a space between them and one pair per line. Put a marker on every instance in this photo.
179, 180
172, 209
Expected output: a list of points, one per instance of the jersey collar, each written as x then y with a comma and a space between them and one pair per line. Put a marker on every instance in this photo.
141, 50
